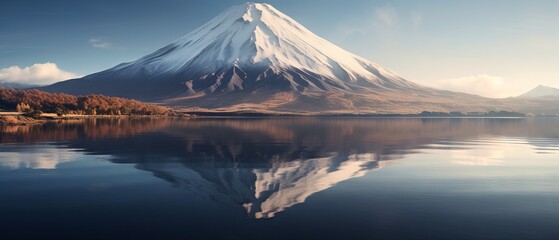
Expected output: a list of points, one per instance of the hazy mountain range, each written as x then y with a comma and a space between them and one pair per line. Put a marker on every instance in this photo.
252, 57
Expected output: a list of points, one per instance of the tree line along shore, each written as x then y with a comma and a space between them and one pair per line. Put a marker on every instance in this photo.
30, 106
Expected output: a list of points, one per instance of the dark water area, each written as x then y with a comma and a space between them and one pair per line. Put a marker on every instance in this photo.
284, 178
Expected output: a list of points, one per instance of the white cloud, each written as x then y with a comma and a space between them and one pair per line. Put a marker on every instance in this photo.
36, 74
483, 85
99, 43
416, 19
480, 157
389, 17
383, 21
385, 16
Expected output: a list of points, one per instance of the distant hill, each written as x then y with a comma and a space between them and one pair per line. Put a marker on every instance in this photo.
17, 85
541, 91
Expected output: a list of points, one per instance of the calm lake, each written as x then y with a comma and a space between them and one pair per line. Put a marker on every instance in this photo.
284, 178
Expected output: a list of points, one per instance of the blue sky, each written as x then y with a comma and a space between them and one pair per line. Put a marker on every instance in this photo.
492, 48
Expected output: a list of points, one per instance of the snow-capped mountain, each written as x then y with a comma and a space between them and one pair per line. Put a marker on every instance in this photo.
541, 91
253, 57
256, 38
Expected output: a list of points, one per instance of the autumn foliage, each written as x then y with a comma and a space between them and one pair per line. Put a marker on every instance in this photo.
60, 103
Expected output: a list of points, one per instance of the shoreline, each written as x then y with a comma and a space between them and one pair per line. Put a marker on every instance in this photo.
19, 119
209, 114
15, 119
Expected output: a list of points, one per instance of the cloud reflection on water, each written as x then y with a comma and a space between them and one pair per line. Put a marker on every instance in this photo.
34, 156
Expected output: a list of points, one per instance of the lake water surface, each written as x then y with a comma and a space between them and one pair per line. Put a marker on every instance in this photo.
286, 178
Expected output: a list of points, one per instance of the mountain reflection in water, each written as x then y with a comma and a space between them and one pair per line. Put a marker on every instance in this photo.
264, 191
262, 165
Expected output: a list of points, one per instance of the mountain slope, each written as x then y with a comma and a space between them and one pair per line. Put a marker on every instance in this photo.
253, 57
541, 91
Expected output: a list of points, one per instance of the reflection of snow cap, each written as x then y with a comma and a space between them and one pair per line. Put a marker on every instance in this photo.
291, 183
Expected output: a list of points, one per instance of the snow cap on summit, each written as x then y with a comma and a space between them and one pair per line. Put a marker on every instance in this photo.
258, 35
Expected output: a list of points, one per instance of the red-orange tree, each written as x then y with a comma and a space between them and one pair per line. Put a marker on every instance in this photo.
65, 103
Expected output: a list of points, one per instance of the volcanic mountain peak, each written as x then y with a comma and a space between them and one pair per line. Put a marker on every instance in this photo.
256, 35
252, 57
